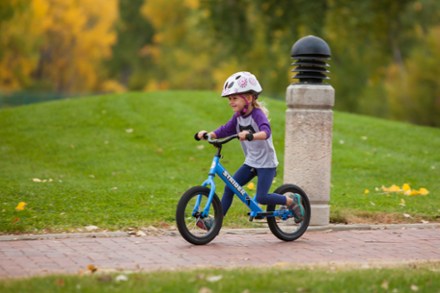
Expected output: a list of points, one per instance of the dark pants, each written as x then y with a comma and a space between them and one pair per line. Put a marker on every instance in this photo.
265, 177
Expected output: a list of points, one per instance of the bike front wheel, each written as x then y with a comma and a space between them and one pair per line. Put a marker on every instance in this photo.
193, 227
288, 229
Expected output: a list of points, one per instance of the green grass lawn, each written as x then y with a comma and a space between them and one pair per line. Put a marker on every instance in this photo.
120, 161
407, 278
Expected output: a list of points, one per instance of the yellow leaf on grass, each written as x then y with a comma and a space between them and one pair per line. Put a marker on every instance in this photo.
251, 186
406, 187
423, 191
21, 205
392, 188
412, 192
406, 190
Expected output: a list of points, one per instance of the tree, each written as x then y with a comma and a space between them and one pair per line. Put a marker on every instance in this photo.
414, 93
77, 39
21, 24
182, 49
130, 65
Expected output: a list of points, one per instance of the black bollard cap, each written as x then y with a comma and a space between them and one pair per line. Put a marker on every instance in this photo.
311, 54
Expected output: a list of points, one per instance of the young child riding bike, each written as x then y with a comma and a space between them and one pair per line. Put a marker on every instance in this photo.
250, 121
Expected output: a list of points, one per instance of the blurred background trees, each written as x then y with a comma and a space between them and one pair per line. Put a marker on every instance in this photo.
385, 54
55, 45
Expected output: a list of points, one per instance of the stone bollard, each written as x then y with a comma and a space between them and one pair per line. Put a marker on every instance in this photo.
309, 123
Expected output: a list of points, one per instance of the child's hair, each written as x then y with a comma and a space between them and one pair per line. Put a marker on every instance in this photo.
260, 105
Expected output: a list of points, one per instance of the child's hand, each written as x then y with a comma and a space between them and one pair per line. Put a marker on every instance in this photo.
242, 135
247, 135
201, 134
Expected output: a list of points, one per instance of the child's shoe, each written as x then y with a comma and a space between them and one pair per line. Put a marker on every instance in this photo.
297, 208
206, 223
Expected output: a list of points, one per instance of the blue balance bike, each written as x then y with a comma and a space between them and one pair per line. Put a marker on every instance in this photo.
200, 205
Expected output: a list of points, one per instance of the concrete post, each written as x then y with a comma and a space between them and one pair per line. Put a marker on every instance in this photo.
309, 123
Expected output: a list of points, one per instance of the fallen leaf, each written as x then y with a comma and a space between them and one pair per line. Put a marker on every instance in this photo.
91, 228
205, 290
59, 282
283, 264
392, 188
402, 202
20, 207
406, 190
423, 191
121, 278
105, 278
213, 279
92, 268
42, 180
412, 192
140, 233
385, 285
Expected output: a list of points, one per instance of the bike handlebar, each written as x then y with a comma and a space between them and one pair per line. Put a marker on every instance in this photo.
223, 140
216, 141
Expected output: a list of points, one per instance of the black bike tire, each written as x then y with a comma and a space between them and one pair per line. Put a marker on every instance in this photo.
180, 216
272, 221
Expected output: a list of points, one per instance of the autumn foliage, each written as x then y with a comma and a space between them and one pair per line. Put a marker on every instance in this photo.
56, 45
384, 53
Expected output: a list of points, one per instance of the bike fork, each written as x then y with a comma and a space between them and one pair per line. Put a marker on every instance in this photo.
205, 212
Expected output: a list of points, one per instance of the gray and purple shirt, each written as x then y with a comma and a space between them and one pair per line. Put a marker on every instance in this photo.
258, 153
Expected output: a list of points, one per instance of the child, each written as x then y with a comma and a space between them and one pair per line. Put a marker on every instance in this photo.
251, 123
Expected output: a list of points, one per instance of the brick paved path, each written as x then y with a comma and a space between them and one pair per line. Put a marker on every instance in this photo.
234, 248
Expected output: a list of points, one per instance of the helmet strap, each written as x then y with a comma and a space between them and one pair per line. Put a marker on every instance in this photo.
246, 107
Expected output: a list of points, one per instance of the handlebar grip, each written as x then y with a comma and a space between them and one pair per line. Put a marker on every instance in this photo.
205, 136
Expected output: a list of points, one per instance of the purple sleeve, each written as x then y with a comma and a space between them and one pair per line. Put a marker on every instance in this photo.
262, 122
227, 129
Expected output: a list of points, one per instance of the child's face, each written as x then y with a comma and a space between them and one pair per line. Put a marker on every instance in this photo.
237, 102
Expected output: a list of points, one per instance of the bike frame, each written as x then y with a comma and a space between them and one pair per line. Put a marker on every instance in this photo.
218, 169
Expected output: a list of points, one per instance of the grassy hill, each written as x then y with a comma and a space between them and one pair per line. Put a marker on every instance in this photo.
119, 161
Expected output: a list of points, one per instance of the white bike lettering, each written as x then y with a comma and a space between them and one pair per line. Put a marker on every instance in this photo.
234, 183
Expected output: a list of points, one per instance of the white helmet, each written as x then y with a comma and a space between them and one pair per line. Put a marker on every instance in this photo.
240, 83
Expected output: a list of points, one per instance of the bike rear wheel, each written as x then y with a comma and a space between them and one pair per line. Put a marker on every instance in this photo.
288, 229
187, 218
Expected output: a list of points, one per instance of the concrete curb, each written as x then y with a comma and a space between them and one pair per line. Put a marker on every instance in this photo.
174, 232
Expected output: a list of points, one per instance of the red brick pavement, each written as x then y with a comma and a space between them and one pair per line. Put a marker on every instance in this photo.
233, 248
